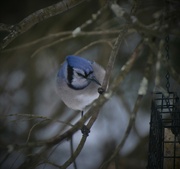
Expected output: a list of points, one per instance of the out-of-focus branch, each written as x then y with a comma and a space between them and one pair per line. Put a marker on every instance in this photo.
94, 43
172, 71
112, 58
72, 36
126, 68
62, 36
5, 27
32, 116
40, 40
37, 17
135, 23
158, 63
161, 59
141, 93
89, 21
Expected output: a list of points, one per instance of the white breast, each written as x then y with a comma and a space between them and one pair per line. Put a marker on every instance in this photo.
79, 99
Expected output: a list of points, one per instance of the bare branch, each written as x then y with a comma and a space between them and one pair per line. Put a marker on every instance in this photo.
92, 44
37, 17
32, 116
66, 35
5, 27
173, 72
128, 129
112, 57
143, 87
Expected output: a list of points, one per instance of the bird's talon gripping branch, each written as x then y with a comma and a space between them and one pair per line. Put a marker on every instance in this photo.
101, 90
85, 131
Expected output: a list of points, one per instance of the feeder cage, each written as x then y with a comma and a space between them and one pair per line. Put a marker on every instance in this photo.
164, 139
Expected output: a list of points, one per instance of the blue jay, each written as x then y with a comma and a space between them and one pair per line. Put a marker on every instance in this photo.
78, 81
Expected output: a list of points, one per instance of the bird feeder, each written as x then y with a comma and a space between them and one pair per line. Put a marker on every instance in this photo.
164, 138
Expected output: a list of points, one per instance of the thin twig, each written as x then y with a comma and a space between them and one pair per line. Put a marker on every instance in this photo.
72, 152
47, 159
128, 129
69, 37
112, 57
32, 116
92, 44
173, 72
51, 44
126, 69
76, 153
60, 34
31, 129
40, 40
5, 27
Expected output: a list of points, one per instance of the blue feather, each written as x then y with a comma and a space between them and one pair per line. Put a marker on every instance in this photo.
80, 63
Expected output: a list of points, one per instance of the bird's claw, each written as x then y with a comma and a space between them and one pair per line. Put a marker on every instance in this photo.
85, 131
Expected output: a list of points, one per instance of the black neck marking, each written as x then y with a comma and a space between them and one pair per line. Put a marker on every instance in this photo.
69, 74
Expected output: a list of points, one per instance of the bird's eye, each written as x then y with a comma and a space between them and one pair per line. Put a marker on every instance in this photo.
91, 72
84, 74
80, 74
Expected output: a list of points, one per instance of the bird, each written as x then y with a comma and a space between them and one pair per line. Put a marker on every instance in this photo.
78, 80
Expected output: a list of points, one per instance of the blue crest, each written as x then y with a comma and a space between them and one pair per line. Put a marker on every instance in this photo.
80, 63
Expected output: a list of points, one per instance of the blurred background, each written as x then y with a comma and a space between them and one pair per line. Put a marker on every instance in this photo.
28, 68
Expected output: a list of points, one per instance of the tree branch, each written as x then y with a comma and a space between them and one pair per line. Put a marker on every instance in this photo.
37, 17
126, 69
112, 58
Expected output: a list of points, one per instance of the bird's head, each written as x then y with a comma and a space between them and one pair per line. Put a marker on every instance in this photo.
79, 72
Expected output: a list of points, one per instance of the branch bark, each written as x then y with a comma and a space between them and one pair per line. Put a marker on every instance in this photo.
37, 17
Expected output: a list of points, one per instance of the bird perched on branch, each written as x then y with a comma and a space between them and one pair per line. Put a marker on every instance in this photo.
78, 81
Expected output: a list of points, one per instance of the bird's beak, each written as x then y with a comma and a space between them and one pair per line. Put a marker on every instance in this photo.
93, 78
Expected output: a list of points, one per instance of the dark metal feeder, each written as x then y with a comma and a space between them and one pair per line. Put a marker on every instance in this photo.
164, 139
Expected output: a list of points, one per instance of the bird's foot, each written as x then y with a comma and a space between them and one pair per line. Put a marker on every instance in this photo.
101, 90
85, 131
